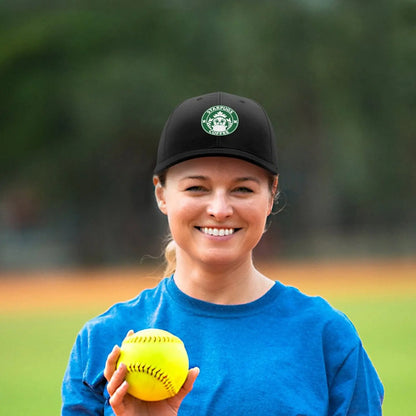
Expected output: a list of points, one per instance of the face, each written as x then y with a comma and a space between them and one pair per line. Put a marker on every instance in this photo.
216, 207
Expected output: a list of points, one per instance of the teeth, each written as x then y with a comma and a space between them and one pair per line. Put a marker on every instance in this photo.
217, 231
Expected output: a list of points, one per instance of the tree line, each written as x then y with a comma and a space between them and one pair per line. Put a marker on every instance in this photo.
86, 90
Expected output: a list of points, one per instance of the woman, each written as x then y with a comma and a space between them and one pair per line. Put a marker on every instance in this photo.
255, 346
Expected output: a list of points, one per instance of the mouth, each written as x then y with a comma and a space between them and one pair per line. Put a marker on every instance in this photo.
220, 232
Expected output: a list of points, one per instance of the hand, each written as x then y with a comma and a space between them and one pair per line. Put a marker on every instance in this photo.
124, 404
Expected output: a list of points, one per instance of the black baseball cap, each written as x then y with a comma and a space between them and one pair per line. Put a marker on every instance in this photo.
218, 124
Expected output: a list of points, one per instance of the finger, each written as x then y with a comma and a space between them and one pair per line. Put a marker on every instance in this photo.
189, 383
116, 400
129, 333
117, 379
190, 380
110, 365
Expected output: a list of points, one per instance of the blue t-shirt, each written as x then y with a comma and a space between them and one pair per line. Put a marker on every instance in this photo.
284, 354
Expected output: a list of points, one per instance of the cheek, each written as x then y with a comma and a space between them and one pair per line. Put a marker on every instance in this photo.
178, 208
180, 212
259, 208
259, 216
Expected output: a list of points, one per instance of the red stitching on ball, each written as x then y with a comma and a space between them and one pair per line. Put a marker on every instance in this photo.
154, 338
155, 372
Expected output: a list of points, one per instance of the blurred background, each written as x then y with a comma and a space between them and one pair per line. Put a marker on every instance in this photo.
86, 88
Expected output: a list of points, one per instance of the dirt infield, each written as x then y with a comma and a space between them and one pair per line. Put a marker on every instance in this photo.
99, 288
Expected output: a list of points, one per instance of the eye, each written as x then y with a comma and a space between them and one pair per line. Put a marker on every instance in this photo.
195, 188
243, 190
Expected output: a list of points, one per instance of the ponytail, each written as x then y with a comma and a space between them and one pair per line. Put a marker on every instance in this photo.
170, 245
170, 257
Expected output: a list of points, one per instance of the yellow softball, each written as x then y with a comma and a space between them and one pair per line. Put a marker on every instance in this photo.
157, 364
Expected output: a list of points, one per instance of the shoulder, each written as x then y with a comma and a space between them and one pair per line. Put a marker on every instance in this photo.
125, 315
293, 300
317, 312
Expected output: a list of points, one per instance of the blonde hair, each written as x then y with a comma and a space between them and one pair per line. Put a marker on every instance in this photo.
170, 257
170, 244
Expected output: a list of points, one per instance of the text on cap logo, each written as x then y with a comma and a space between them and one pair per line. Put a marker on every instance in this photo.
219, 120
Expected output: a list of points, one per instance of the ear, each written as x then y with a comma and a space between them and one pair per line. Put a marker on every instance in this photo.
273, 194
160, 194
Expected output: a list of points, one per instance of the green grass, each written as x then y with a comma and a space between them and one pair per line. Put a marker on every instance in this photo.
34, 350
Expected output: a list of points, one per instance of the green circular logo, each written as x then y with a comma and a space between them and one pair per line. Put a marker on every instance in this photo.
219, 120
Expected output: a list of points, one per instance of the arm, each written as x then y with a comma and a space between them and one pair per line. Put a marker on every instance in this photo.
78, 397
356, 389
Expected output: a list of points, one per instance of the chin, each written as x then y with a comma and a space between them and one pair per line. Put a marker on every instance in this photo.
221, 261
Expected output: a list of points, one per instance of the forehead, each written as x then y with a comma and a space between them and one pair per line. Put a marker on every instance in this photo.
218, 166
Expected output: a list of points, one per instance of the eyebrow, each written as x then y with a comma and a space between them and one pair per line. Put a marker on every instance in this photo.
200, 177
248, 179
205, 178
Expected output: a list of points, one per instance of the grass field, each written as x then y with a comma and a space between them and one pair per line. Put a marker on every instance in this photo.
40, 316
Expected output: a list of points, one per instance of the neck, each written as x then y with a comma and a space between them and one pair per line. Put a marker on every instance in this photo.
221, 284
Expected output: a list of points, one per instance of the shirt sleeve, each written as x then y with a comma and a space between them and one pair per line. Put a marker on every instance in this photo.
356, 389
80, 397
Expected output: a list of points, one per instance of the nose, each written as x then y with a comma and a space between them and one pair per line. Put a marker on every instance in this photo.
219, 206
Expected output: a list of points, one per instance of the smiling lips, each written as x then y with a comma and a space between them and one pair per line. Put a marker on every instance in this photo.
218, 231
